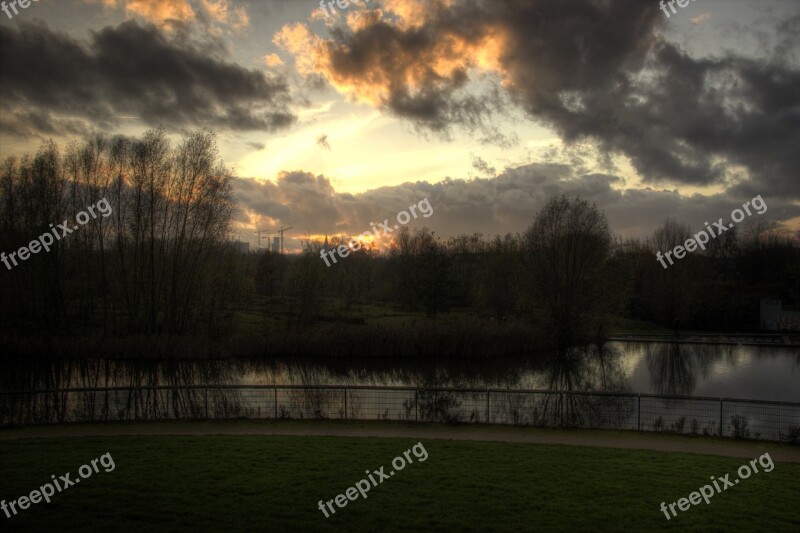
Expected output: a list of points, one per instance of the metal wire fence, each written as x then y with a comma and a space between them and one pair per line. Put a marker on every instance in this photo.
727, 417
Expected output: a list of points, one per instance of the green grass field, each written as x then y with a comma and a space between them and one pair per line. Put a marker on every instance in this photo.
269, 483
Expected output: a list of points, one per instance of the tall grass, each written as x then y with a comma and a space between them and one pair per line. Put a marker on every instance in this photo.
472, 338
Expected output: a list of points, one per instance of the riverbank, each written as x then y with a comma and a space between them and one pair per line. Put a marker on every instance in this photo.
466, 337
693, 337
369, 332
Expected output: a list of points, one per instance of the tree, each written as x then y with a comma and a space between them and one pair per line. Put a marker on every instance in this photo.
568, 248
150, 264
674, 288
500, 277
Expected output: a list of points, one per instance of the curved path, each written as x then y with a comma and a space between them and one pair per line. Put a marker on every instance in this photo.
605, 439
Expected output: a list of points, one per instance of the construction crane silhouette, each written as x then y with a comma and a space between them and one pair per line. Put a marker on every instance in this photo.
259, 232
280, 231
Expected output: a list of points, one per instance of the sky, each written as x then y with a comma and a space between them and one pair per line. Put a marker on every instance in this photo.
334, 119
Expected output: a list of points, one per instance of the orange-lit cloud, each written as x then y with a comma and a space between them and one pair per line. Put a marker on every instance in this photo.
222, 12
307, 48
163, 13
160, 12
394, 69
272, 60
411, 14
400, 59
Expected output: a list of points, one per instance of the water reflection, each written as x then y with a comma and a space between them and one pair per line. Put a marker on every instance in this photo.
581, 387
583, 370
662, 368
673, 369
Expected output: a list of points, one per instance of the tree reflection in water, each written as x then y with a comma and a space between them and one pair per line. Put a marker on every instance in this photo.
674, 367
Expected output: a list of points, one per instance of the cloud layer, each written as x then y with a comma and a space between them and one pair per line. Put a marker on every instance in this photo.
51, 82
491, 206
166, 13
591, 70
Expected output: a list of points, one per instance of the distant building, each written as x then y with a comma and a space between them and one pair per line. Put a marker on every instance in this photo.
242, 247
276, 245
770, 310
774, 317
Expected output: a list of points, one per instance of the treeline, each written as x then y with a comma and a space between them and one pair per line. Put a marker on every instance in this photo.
558, 275
566, 275
161, 266
156, 265
719, 288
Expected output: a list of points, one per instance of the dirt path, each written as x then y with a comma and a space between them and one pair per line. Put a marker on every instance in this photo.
605, 439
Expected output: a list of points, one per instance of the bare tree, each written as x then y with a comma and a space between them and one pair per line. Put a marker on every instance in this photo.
152, 265
568, 246
674, 286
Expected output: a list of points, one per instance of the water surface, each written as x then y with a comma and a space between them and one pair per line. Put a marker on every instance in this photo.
751, 372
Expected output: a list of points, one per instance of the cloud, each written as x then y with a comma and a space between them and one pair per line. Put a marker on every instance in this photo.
507, 203
479, 164
132, 70
592, 70
223, 12
158, 11
701, 18
414, 76
162, 13
213, 15
307, 200
272, 60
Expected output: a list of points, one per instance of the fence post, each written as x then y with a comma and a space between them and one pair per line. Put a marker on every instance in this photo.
487, 407
155, 402
639, 413
345, 403
276, 401
205, 400
720, 417
416, 405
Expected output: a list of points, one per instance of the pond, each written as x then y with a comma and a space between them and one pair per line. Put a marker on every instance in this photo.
735, 371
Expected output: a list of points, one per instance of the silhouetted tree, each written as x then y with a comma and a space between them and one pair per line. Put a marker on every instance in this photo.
568, 247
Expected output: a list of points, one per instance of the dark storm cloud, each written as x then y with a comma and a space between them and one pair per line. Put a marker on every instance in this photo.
694, 112
596, 70
131, 70
437, 101
499, 205
307, 199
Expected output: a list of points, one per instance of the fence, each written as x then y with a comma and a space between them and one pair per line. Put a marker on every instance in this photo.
726, 417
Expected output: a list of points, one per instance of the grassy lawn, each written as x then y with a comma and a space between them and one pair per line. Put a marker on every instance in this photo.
234, 483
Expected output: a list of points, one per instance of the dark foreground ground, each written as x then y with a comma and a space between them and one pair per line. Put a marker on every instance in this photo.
273, 482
